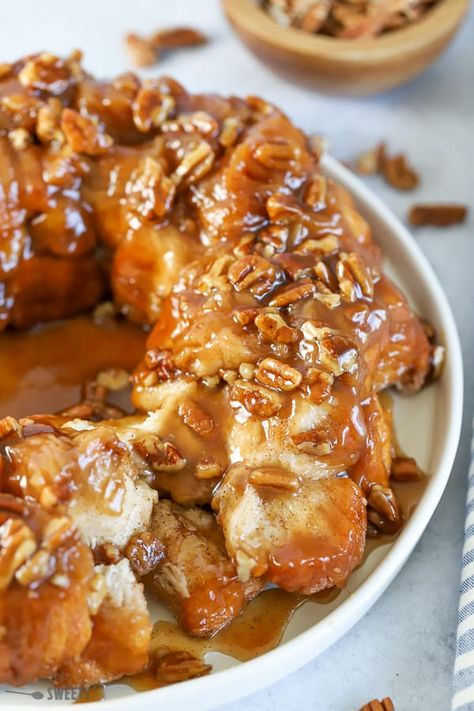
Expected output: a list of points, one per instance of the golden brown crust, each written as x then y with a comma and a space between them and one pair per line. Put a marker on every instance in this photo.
46, 573
196, 578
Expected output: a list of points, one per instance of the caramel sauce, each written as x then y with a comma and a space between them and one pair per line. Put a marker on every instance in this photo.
258, 629
91, 694
42, 370
408, 496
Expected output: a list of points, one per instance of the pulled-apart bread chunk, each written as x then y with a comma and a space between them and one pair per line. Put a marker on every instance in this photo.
93, 469
196, 578
300, 533
46, 576
121, 630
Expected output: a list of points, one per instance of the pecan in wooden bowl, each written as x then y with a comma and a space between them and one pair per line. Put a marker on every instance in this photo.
357, 55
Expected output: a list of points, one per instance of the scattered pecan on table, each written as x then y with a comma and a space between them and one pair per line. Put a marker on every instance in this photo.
437, 215
385, 705
146, 51
346, 19
395, 169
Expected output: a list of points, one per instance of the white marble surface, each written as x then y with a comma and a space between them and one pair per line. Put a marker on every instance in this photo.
404, 647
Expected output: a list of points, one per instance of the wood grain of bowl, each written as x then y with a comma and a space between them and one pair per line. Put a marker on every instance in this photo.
341, 66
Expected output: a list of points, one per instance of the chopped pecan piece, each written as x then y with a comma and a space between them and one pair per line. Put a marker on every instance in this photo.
143, 53
275, 329
385, 705
146, 51
5, 69
245, 317
397, 172
319, 384
9, 426
369, 161
172, 667
437, 215
196, 163
151, 108
144, 551
231, 128
18, 543
177, 37
84, 134
197, 419
20, 138
208, 468
48, 122
274, 477
405, 469
45, 72
257, 400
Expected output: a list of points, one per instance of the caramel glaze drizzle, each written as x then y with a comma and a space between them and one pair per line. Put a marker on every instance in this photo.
37, 368
105, 179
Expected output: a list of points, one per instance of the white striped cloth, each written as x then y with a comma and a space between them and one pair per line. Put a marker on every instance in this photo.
463, 698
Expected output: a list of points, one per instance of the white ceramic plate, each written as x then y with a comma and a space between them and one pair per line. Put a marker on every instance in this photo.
428, 426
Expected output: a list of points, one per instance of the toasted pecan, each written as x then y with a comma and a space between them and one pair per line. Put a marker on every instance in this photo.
437, 214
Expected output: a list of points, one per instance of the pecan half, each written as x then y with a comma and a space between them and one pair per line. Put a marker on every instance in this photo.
287, 295
231, 129
354, 277
274, 374
383, 509
160, 456
5, 69
276, 156
316, 192
369, 162
437, 215
20, 138
252, 272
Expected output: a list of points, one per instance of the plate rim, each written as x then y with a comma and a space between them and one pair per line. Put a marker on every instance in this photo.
246, 678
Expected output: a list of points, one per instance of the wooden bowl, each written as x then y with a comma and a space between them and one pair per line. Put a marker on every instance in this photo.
344, 66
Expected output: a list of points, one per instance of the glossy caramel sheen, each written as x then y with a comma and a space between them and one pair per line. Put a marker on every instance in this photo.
43, 370
274, 329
